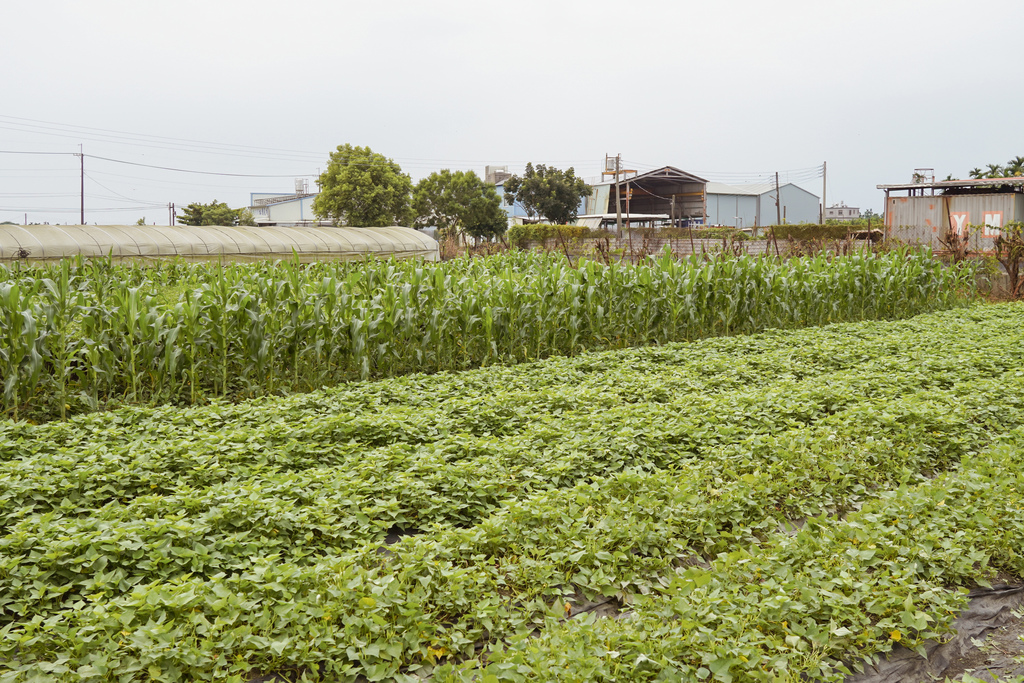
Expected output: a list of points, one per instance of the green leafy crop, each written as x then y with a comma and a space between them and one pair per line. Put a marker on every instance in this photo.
761, 506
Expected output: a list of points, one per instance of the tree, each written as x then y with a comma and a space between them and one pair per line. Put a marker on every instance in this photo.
994, 171
488, 225
1009, 250
214, 213
1013, 168
459, 202
141, 221
362, 188
245, 217
548, 192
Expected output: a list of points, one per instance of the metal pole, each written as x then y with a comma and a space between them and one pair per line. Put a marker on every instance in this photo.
81, 157
629, 224
618, 197
778, 204
885, 213
775, 238
824, 176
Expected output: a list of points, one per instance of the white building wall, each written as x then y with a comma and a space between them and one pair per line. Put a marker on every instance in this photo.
735, 210
797, 205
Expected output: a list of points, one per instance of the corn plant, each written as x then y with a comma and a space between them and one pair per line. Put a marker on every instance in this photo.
87, 334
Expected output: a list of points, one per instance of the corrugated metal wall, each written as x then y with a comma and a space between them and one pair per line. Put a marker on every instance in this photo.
797, 206
924, 220
724, 208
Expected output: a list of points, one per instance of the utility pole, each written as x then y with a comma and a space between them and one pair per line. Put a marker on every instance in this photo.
171, 214
629, 223
824, 175
775, 239
81, 158
778, 204
618, 197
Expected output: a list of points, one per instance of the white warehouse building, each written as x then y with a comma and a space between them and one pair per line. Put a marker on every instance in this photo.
750, 206
276, 208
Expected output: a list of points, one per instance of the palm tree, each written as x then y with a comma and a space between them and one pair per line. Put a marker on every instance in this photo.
1014, 167
975, 173
994, 171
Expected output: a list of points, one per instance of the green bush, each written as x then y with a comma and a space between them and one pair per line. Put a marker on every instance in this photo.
809, 231
705, 233
519, 235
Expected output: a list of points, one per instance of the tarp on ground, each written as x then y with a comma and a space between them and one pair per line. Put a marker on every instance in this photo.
211, 243
987, 611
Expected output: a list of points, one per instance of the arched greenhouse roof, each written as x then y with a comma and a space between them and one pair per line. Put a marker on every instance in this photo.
211, 243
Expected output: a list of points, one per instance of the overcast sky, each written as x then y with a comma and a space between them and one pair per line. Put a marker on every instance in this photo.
727, 90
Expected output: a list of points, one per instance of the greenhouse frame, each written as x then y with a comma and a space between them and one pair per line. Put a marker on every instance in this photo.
146, 243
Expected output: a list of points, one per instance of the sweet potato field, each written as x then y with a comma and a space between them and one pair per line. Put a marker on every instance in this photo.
743, 508
88, 336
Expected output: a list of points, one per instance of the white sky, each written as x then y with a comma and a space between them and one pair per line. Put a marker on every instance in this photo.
725, 89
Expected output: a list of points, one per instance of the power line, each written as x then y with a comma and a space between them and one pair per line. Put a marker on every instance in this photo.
138, 138
113, 140
159, 183
74, 131
76, 209
113, 191
185, 170
15, 151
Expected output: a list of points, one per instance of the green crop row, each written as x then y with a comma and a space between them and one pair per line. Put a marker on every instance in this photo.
817, 603
77, 337
216, 543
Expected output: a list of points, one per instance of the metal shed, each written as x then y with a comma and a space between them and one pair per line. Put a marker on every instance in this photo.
667, 191
211, 243
930, 210
753, 205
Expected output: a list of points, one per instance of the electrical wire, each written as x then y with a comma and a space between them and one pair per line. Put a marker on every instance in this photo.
16, 151
185, 170
113, 191
77, 209
224, 149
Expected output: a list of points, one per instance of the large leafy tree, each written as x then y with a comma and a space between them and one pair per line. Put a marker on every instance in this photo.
214, 213
459, 202
362, 188
548, 192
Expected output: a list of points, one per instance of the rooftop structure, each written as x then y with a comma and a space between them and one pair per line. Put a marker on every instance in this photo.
276, 208
841, 212
975, 209
1015, 184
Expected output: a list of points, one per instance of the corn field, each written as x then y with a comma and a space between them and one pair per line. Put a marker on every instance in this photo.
80, 336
